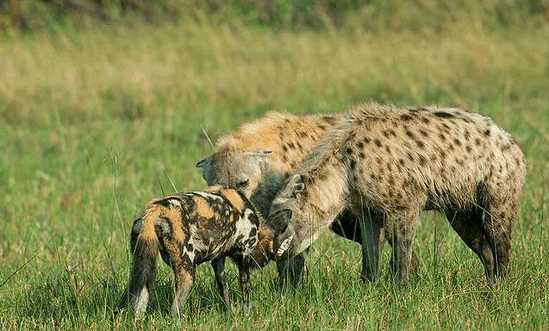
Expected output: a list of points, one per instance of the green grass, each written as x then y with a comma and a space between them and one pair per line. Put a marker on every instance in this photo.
96, 122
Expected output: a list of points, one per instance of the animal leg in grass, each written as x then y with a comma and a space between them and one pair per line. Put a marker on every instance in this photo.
348, 226
245, 287
404, 224
219, 271
390, 238
183, 284
371, 228
290, 270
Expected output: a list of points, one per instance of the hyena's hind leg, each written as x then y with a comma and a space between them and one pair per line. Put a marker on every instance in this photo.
469, 226
498, 222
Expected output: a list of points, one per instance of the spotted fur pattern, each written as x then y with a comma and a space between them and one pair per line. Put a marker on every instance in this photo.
259, 156
387, 164
188, 229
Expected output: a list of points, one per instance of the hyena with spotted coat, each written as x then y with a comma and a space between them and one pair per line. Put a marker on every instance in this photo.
257, 159
388, 164
188, 229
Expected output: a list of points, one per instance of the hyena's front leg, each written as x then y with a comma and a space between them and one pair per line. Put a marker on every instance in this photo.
290, 270
245, 287
371, 227
184, 277
219, 271
403, 224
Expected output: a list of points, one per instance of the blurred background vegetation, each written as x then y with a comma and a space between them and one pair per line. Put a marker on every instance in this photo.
280, 14
102, 106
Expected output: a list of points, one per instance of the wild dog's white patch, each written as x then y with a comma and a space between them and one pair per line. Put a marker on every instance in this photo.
208, 196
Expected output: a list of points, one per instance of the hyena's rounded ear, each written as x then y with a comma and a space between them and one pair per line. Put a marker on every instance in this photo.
203, 163
260, 154
298, 184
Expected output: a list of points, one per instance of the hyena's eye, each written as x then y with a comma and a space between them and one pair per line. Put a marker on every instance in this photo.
243, 183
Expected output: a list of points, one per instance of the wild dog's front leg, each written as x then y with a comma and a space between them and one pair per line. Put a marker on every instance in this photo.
245, 287
184, 278
219, 271
372, 242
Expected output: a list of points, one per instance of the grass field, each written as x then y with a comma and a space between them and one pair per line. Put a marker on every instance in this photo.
96, 122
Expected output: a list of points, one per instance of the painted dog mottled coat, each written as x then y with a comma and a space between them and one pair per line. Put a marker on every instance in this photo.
188, 229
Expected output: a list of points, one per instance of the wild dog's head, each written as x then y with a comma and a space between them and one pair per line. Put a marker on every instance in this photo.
287, 207
236, 169
263, 251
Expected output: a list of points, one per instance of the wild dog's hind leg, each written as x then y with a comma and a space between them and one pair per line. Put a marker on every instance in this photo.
183, 268
219, 271
184, 278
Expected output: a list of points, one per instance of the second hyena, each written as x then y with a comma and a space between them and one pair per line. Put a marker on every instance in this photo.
191, 228
388, 164
257, 158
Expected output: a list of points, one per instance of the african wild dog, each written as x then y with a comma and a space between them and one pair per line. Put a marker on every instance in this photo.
188, 229
388, 164
257, 159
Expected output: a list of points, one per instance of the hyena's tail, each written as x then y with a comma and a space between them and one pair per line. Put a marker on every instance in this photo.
144, 245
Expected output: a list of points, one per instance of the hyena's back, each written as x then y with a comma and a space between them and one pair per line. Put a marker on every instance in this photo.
446, 155
445, 159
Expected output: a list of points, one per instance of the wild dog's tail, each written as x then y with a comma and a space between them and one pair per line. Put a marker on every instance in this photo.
144, 244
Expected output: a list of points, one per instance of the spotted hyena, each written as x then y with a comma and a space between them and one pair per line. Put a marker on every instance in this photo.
386, 165
188, 229
259, 157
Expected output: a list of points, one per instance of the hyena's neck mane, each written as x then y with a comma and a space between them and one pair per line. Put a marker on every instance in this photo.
271, 183
325, 175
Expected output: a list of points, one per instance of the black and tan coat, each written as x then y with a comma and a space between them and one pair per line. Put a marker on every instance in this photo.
188, 229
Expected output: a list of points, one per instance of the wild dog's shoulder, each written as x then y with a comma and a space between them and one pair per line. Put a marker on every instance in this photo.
214, 196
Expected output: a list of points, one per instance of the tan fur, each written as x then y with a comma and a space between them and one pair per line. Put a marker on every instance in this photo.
202, 208
288, 136
234, 199
263, 251
174, 218
214, 188
150, 215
